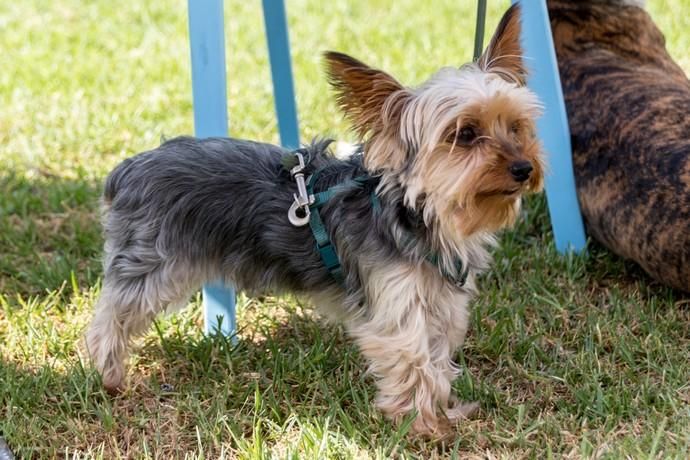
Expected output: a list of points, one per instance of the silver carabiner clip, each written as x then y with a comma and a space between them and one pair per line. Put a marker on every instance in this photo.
294, 218
302, 199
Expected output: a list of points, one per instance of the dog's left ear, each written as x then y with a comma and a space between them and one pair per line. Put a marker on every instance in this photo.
362, 91
503, 56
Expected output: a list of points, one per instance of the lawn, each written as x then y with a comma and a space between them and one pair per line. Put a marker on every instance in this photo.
578, 356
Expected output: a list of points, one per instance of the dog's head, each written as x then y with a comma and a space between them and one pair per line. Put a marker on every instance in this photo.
462, 145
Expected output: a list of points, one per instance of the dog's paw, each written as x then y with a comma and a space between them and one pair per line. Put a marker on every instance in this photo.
436, 428
443, 426
113, 378
462, 411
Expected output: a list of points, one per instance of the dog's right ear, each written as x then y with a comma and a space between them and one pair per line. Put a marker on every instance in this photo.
504, 55
362, 91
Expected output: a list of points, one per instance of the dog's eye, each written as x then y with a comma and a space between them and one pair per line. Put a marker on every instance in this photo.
467, 134
515, 127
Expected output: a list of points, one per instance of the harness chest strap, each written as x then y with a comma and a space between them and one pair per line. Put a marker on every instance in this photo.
323, 242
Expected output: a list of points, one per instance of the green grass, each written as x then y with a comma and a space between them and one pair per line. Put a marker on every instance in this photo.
567, 356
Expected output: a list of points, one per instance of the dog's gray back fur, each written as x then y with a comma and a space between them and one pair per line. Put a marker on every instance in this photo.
218, 208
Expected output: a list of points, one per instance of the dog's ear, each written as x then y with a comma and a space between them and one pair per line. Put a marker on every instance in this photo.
504, 56
361, 91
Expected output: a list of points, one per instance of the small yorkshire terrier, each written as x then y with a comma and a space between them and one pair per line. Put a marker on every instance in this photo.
445, 166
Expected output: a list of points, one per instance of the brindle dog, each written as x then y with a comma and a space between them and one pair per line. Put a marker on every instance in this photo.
628, 104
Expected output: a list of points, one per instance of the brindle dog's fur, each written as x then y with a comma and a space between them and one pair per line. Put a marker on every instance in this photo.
628, 103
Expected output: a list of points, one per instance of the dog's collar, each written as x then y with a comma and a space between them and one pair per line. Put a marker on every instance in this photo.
460, 272
294, 163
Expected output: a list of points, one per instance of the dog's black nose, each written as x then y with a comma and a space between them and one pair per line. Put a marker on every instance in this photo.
520, 170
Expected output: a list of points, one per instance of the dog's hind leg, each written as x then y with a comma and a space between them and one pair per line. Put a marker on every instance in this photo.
137, 286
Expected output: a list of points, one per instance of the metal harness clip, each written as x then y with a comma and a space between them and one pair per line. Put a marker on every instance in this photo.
302, 199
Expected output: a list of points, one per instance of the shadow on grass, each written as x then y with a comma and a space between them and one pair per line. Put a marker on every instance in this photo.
50, 233
293, 385
44, 410
290, 381
532, 235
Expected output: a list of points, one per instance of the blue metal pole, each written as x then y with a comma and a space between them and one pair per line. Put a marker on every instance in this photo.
561, 195
207, 43
281, 71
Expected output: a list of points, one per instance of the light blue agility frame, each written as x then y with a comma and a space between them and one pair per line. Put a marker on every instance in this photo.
281, 71
207, 43
552, 127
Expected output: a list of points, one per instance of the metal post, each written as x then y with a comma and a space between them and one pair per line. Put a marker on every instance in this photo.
207, 42
281, 71
566, 219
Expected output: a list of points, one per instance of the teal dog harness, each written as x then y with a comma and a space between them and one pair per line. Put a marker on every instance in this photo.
306, 210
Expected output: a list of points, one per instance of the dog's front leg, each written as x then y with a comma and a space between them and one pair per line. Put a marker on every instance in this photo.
413, 325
